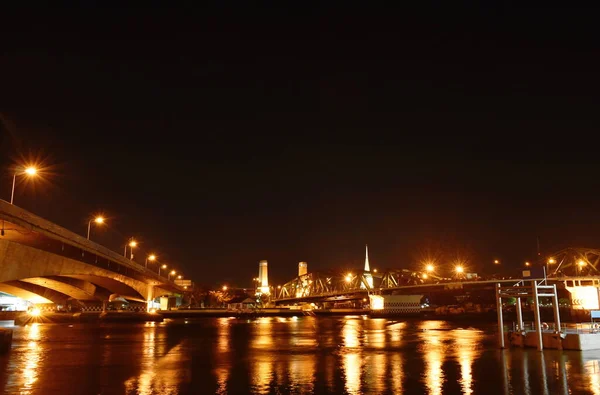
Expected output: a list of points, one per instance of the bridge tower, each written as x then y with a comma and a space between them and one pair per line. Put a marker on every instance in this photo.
302, 268
263, 279
368, 277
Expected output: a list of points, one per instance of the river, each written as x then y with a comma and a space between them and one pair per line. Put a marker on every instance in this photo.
305, 355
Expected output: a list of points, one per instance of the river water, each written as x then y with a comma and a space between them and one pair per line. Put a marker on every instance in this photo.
305, 355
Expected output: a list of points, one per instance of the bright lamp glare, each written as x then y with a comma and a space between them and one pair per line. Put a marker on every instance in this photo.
31, 171
35, 312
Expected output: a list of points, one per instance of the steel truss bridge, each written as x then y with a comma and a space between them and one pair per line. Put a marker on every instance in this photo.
570, 265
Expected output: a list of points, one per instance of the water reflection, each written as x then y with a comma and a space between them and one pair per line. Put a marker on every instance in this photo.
32, 358
467, 347
222, 360
351, 357
434, 352
302, 373
337, 355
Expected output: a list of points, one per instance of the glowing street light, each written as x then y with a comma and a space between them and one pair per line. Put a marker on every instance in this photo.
29, 171
150, 258
179, 277
98, 220
424, 276
224, 288
161, 267
374, 270
459, 269
551, 261
496, 262
131, 243
172, 273
348, 278
527, 264
430, 268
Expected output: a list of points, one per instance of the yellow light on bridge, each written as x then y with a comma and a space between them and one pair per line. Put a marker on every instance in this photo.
430, 268
496, 262
581, 263
151, 257
279, 287
32, 171
459, 269
224, 287
551, 261
179, 277
374, 270
164, 266
99, 220
133, 243
424, 275
348, 278
527, 264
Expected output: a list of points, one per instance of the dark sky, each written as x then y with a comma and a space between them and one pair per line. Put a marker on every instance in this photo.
222, 136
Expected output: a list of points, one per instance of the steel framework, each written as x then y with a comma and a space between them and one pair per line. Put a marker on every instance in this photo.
574, 261
318, 284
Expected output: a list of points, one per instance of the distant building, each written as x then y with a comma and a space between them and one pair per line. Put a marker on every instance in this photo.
263, 277
302, 268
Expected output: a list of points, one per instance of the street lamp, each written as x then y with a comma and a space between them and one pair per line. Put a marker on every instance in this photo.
224, 288
580, 265
459, 269
150, 258
348, 278
29, 171
430, 268
161, 267
131, 243
99, 220
496, 262
179, 277
527, 264
172, 273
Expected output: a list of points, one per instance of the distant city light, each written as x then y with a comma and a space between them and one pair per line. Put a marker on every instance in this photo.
496, 262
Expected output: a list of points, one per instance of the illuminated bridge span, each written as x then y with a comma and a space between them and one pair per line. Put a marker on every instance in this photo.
568, 268
45, 263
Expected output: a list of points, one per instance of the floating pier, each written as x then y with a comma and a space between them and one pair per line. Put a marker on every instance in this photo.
556, 336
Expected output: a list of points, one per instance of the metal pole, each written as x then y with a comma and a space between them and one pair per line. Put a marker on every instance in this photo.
89, 227
125, 252
12, 194
500, 320
556, 313
520, 316
536, 312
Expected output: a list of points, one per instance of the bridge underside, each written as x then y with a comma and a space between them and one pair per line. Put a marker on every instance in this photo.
42, 277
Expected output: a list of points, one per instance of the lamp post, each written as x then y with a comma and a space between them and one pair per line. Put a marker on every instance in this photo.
172, 273
131, 243
29, 171
150, 258
161, 266
98, 220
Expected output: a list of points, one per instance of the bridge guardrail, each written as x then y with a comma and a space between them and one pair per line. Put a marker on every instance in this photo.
23, 218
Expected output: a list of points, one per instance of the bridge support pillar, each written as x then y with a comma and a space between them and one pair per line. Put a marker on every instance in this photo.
149, 297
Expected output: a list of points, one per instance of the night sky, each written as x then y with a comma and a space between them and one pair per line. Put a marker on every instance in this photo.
219, 136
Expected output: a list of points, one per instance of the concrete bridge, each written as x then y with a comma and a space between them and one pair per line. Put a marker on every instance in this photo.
45, 263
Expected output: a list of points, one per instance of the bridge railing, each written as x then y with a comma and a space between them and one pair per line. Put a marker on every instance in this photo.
23, 218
